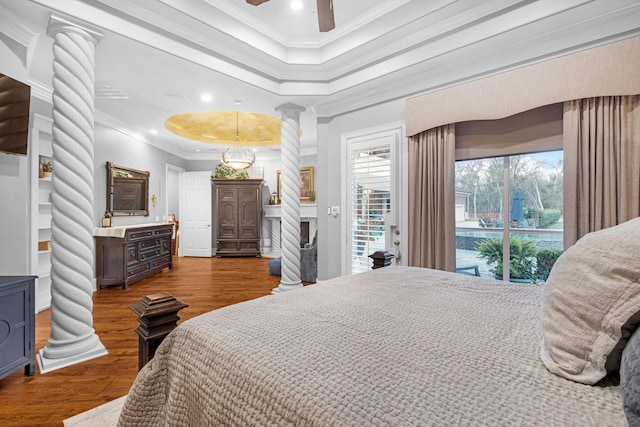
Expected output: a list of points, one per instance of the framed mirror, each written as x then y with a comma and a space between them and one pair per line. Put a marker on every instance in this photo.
127, 191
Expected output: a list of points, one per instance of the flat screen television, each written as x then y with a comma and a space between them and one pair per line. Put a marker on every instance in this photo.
15, 98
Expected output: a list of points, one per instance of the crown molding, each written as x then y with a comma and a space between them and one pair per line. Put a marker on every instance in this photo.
21, 32
15, 28
41, 90
315, 43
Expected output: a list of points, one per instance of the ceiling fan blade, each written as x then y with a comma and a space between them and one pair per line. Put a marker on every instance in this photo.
325, 15
256, 2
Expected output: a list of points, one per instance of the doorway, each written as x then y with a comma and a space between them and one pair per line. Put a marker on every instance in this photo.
196, 215
372, 220
173, 176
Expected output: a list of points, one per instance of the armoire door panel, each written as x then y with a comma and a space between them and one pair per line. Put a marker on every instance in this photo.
227, 214
228, 194
248, 233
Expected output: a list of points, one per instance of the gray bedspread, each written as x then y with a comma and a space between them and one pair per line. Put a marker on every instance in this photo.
396, 346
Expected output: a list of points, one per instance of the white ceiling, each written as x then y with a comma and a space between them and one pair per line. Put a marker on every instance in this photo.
161, 55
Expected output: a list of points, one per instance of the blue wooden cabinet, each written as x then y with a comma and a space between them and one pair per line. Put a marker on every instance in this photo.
17, 324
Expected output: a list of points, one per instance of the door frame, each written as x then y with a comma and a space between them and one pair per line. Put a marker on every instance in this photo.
173, 168
183, 195
168, 168
399, 214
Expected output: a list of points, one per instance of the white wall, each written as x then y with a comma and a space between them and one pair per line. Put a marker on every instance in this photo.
14, 215
14, 183
173, 192
201, 165
328, 185
124, 150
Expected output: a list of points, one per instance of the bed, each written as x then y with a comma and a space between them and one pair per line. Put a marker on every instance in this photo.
394, 346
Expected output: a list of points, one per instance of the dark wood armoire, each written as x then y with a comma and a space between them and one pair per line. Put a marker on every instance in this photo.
239, 216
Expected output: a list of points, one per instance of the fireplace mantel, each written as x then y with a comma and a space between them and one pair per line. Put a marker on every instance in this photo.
307, 210
308, 213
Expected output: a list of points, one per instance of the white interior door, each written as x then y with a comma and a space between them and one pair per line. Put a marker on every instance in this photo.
195, 215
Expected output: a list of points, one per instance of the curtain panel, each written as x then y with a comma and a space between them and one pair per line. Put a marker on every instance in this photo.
601, 164
432, 234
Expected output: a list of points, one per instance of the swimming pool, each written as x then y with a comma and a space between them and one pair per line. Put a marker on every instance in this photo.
545, 235
470, 239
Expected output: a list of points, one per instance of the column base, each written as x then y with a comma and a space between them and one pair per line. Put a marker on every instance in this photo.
47, 365
283, 287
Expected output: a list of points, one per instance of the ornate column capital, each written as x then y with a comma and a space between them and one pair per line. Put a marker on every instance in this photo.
62, 24
290, 108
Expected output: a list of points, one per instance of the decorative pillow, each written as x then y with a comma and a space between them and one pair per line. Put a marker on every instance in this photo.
630, 379
591, 295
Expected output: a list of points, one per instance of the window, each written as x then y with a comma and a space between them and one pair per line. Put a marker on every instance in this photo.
509, 208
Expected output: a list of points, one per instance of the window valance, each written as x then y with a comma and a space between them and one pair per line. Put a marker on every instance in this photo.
610, 69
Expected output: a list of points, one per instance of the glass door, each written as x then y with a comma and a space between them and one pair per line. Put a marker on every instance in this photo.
372, 197
509, 216
370, 203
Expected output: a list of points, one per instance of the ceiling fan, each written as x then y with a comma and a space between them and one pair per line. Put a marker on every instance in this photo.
325, 13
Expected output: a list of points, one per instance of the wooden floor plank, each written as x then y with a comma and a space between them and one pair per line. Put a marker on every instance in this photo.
203, 283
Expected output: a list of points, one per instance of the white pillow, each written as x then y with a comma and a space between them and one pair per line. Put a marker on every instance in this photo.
591, 295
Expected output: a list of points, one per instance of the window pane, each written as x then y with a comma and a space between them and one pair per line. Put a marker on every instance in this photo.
535, 188
479, 216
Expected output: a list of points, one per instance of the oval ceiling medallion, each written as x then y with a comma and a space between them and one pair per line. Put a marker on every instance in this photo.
220, 127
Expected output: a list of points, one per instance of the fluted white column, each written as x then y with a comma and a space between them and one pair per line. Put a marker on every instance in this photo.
290, 155
313, 227
275, 234
72, 338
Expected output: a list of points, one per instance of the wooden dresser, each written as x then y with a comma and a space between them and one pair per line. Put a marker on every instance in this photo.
17, 324
132, 253
239, 216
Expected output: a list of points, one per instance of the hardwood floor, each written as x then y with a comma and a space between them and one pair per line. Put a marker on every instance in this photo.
205, 284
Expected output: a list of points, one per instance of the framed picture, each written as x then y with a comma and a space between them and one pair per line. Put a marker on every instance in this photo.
307, 192
44, 167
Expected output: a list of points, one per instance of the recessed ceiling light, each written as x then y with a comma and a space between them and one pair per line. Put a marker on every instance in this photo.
153, 131
296, 4
237, 101
206, 97
255, 150
197, 150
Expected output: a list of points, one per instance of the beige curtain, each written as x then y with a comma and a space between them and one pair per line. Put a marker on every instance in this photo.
432, 234
601, 164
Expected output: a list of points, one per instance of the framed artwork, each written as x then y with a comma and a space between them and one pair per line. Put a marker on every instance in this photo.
307, 192
44, 167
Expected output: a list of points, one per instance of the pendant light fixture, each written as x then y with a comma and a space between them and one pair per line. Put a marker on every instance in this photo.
235, 157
